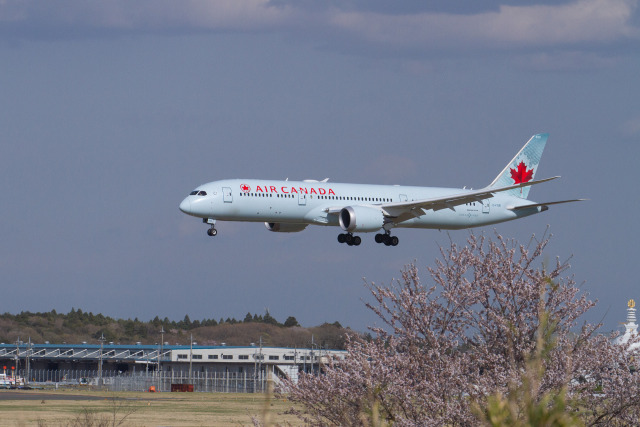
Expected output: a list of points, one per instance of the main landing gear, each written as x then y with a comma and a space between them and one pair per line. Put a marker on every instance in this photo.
387, 239
352, 240
211, 231
349, 239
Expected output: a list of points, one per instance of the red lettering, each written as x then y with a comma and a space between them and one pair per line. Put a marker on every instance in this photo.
331, 192
273, 189
284, 190
322, 191
303, 190
293, 190
313, 191
258, 188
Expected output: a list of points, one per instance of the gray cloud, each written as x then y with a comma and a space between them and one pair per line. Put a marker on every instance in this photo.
584, 21
415, 28
78, 18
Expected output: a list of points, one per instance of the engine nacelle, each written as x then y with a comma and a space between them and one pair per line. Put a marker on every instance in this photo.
284, 228
361, 218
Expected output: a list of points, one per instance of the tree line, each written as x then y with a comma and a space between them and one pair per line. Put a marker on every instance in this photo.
79, 326
78, 317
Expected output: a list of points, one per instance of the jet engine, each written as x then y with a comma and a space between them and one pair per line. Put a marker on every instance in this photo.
361, 218
284, 228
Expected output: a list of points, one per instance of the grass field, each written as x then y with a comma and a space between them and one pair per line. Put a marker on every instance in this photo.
46, 409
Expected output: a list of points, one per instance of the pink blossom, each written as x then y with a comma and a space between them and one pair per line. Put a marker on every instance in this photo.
468, 332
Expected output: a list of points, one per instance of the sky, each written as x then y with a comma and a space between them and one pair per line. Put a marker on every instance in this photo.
111, 112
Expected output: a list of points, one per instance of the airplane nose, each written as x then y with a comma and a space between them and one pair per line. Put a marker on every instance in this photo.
185, 206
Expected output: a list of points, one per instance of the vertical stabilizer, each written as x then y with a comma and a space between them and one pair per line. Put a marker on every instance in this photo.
523, 167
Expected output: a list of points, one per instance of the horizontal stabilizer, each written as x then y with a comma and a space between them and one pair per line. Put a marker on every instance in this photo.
538, 205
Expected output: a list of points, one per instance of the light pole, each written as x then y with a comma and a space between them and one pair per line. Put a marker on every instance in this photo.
27, 366
15, 375
190, 358
100, 368
160, 354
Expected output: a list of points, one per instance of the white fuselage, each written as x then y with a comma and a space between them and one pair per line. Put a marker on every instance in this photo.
317, 203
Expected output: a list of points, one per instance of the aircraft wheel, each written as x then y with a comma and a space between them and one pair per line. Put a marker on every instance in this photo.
379, 238
341, 238
357, 240
350, 243
394, 241
348, 238
387, 242
212, 232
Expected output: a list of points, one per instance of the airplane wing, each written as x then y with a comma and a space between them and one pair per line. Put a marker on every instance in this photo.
402, 211
537, 205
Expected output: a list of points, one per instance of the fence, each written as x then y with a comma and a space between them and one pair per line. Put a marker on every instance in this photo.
221, 382
70, 376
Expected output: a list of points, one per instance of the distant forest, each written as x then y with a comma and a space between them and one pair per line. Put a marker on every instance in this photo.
78, 326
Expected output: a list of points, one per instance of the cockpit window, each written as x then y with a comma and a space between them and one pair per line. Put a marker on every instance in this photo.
193, 193
202, 193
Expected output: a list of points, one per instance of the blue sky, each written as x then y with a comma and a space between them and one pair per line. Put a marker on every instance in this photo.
113, 111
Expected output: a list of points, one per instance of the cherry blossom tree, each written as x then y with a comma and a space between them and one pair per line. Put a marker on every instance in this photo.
493, 333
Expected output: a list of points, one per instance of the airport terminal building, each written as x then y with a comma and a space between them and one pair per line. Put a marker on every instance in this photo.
136, 367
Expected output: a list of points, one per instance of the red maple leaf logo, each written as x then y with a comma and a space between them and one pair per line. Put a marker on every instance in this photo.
521, 175
245, 188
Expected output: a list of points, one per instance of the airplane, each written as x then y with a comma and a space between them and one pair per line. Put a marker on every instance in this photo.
291, 206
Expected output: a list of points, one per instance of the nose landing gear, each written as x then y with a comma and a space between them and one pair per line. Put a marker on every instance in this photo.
349, 239
211, 231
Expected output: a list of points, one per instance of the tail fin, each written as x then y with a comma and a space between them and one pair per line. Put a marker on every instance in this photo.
523, 166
